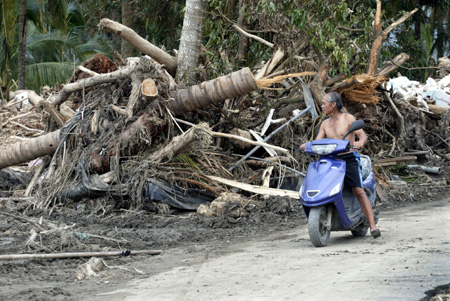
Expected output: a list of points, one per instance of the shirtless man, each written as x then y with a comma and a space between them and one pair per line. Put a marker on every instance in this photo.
335, 127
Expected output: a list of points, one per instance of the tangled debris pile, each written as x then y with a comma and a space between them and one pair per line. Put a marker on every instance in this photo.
127, 134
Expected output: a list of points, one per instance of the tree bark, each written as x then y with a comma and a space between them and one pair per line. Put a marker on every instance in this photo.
31, 149
379, 36
22, 44
200, 96
127, 50
440, 32
191, 36
243, 39
141, 44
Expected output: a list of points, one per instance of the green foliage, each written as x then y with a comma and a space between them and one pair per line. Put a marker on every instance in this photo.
187, 161
323, 24
56, 43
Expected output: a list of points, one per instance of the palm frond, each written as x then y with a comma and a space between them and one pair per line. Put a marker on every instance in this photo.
75, 14
47, 73
45, 47
9, 13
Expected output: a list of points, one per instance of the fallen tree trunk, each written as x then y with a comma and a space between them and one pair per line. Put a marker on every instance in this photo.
140, 43
30, 149
200, 96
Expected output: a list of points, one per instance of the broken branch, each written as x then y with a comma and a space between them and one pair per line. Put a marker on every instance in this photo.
139, 43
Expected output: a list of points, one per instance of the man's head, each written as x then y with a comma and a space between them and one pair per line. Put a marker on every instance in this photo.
330, 102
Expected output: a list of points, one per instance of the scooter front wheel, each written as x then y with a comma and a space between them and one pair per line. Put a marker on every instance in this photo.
318, 232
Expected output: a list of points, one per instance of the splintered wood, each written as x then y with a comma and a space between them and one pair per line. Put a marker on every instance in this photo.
361, 88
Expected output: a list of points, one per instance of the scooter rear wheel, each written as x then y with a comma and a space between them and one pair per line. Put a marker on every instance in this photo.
318, 233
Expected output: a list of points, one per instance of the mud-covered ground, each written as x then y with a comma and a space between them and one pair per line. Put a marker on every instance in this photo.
100, 226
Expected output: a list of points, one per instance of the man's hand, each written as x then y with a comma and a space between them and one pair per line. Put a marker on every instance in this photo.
303, 146
358, 145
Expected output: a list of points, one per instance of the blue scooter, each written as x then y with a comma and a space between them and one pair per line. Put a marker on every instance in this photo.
328, 205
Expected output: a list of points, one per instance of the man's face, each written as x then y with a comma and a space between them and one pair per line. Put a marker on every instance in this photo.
327, 106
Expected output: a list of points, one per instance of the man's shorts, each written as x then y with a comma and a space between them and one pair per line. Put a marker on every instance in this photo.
353, 172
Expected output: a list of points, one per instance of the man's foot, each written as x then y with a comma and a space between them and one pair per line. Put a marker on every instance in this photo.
375, 232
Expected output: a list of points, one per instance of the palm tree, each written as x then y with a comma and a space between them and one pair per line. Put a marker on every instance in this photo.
56, 42
7, 42
22, 44
191, 36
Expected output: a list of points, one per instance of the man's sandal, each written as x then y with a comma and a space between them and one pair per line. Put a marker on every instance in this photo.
375, 232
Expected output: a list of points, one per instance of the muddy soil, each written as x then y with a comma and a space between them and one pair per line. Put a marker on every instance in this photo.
105, 225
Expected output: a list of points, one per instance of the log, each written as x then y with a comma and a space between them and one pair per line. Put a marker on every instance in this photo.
213, 91
31, 149
140, 43
77, 254
149, 88
394, 161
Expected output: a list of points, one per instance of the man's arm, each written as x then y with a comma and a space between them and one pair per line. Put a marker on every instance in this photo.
320, 135
362, 139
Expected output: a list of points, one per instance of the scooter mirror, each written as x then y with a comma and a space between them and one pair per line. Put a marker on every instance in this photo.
356, 125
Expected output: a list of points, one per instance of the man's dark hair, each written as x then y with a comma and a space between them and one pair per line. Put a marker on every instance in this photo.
335, 97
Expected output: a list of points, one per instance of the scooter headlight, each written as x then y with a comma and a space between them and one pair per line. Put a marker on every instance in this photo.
323, 149
336, 189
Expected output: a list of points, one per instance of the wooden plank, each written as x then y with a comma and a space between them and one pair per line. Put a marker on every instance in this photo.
257, 189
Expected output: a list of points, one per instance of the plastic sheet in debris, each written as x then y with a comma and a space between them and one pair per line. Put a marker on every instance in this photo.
164, 192
440, 97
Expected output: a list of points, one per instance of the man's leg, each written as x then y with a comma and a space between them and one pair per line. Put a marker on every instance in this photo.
365, 206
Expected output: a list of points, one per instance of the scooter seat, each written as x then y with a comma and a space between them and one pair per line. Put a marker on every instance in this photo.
366, 165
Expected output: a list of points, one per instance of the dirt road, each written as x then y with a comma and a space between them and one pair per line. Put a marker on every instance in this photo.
411, 257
